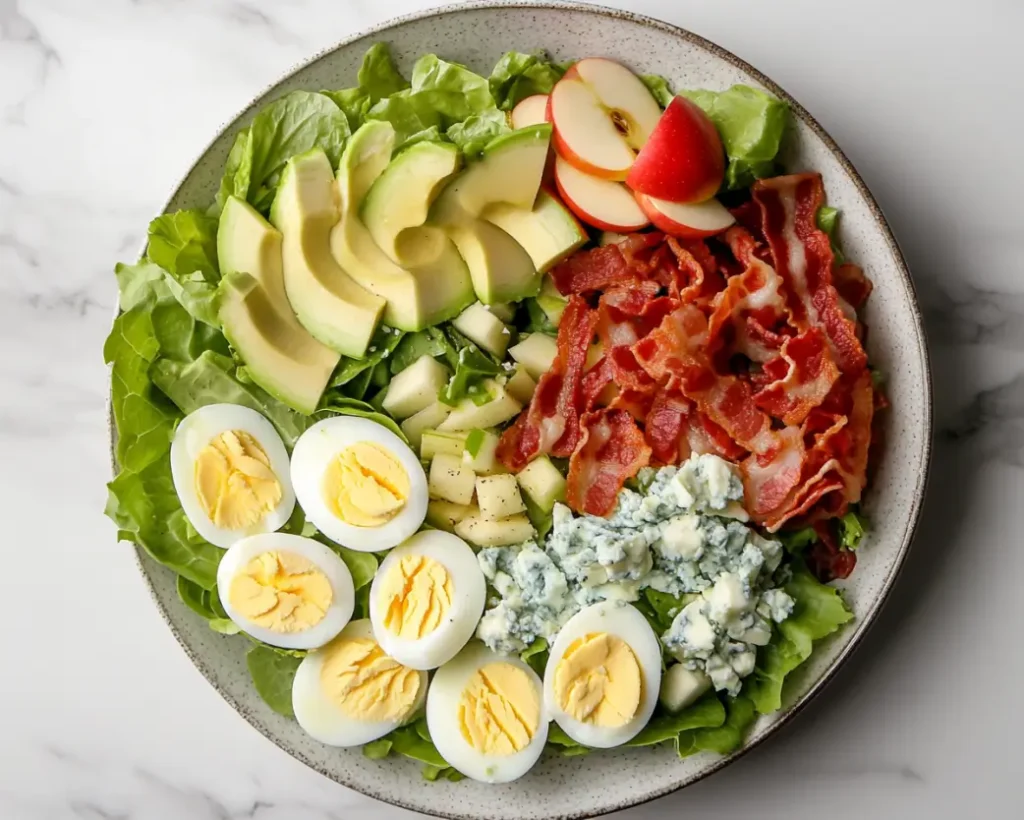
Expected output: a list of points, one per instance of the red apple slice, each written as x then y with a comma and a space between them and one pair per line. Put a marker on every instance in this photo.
602, 114
530, 111
694, 220
683, 160
603, 203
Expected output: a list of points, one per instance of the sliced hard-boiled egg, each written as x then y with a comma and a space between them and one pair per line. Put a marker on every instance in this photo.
603, 675
359, 483
349, 692
426, 599
230, 471
286, 590
486, 715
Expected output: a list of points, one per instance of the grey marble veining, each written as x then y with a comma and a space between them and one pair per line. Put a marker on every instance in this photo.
102, 106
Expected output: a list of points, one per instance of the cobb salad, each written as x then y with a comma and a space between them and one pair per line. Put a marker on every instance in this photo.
503, 414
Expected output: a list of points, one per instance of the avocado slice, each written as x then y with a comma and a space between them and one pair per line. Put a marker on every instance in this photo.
328, 303
401, 196
435, 285
549, 232
509, 172
280, 354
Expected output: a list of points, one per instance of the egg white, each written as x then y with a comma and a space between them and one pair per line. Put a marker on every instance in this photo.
194, 433
626, 623
313, 454
322, 719
469, 594
339, 613
443, 719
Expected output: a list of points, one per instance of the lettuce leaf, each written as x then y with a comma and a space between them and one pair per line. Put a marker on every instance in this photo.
708, 712
796, 541
751, 124
379, 77
818, 612
450, 89
354, 103
293, 124
536, 655
185, 242
852, 528
473, 134
518, 75
378, 749
472, 369
659, 88
410, 114
343, 406
430, 342
272, 674
723, 739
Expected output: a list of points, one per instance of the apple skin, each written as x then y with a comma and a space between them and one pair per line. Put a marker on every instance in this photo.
683, 160
570, 156
579, 208
711, 216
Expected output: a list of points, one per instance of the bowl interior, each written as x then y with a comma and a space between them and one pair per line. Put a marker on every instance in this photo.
477, 35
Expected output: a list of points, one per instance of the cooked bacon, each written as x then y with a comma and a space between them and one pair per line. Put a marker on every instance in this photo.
551, 423
611, 449
807, 379
770, 476
825, 559
600, 268
666, 426
851, 283
803, 258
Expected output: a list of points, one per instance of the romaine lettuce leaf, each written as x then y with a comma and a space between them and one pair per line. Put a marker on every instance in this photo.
518, 75
272, 674
818, 612
411, 114
659, 87
852, 527
354, 102
751, 124
295, 123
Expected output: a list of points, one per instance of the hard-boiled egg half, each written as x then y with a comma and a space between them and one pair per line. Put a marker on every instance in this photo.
603, 675
359, 483
486, 715
426, 599
286, 590
349, 692
230, 471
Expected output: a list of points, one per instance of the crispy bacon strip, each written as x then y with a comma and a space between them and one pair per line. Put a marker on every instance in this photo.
611, 449
803, 258
600, 268
807, 379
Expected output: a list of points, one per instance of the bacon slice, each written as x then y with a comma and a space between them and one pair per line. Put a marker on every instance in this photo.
803, 258
851, 283
611, 449
551, 423
600, 268
808, 378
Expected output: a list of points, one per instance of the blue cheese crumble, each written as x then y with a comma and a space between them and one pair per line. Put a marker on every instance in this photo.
684, 534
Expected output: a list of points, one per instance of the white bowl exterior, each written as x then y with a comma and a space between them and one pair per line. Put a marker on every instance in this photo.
477, 34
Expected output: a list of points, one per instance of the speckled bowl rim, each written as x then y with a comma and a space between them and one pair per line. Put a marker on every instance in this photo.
864, 621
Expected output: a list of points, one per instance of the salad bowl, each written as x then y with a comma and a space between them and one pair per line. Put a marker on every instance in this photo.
476, 34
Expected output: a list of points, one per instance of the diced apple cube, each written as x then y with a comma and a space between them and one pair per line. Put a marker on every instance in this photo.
542, 483
451, 480
481, 452
521, 385
427, 419
469, 416
498, 496
536, 353
415, 388
479, 324
445, 515
434, 443
501, 532
681, 687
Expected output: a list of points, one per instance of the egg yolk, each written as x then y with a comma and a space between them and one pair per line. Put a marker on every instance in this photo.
365, 683
416, 595
282, 592
365, 485
234, 481
598, 681
499, 710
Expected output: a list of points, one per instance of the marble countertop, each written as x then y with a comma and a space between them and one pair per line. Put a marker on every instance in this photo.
102, 106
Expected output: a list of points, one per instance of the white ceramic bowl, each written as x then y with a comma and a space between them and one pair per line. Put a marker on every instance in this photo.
477, 34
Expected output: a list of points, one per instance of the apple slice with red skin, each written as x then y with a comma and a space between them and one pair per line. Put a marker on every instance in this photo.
530, 111
683, 160
601, 114
602, 203
686, 220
